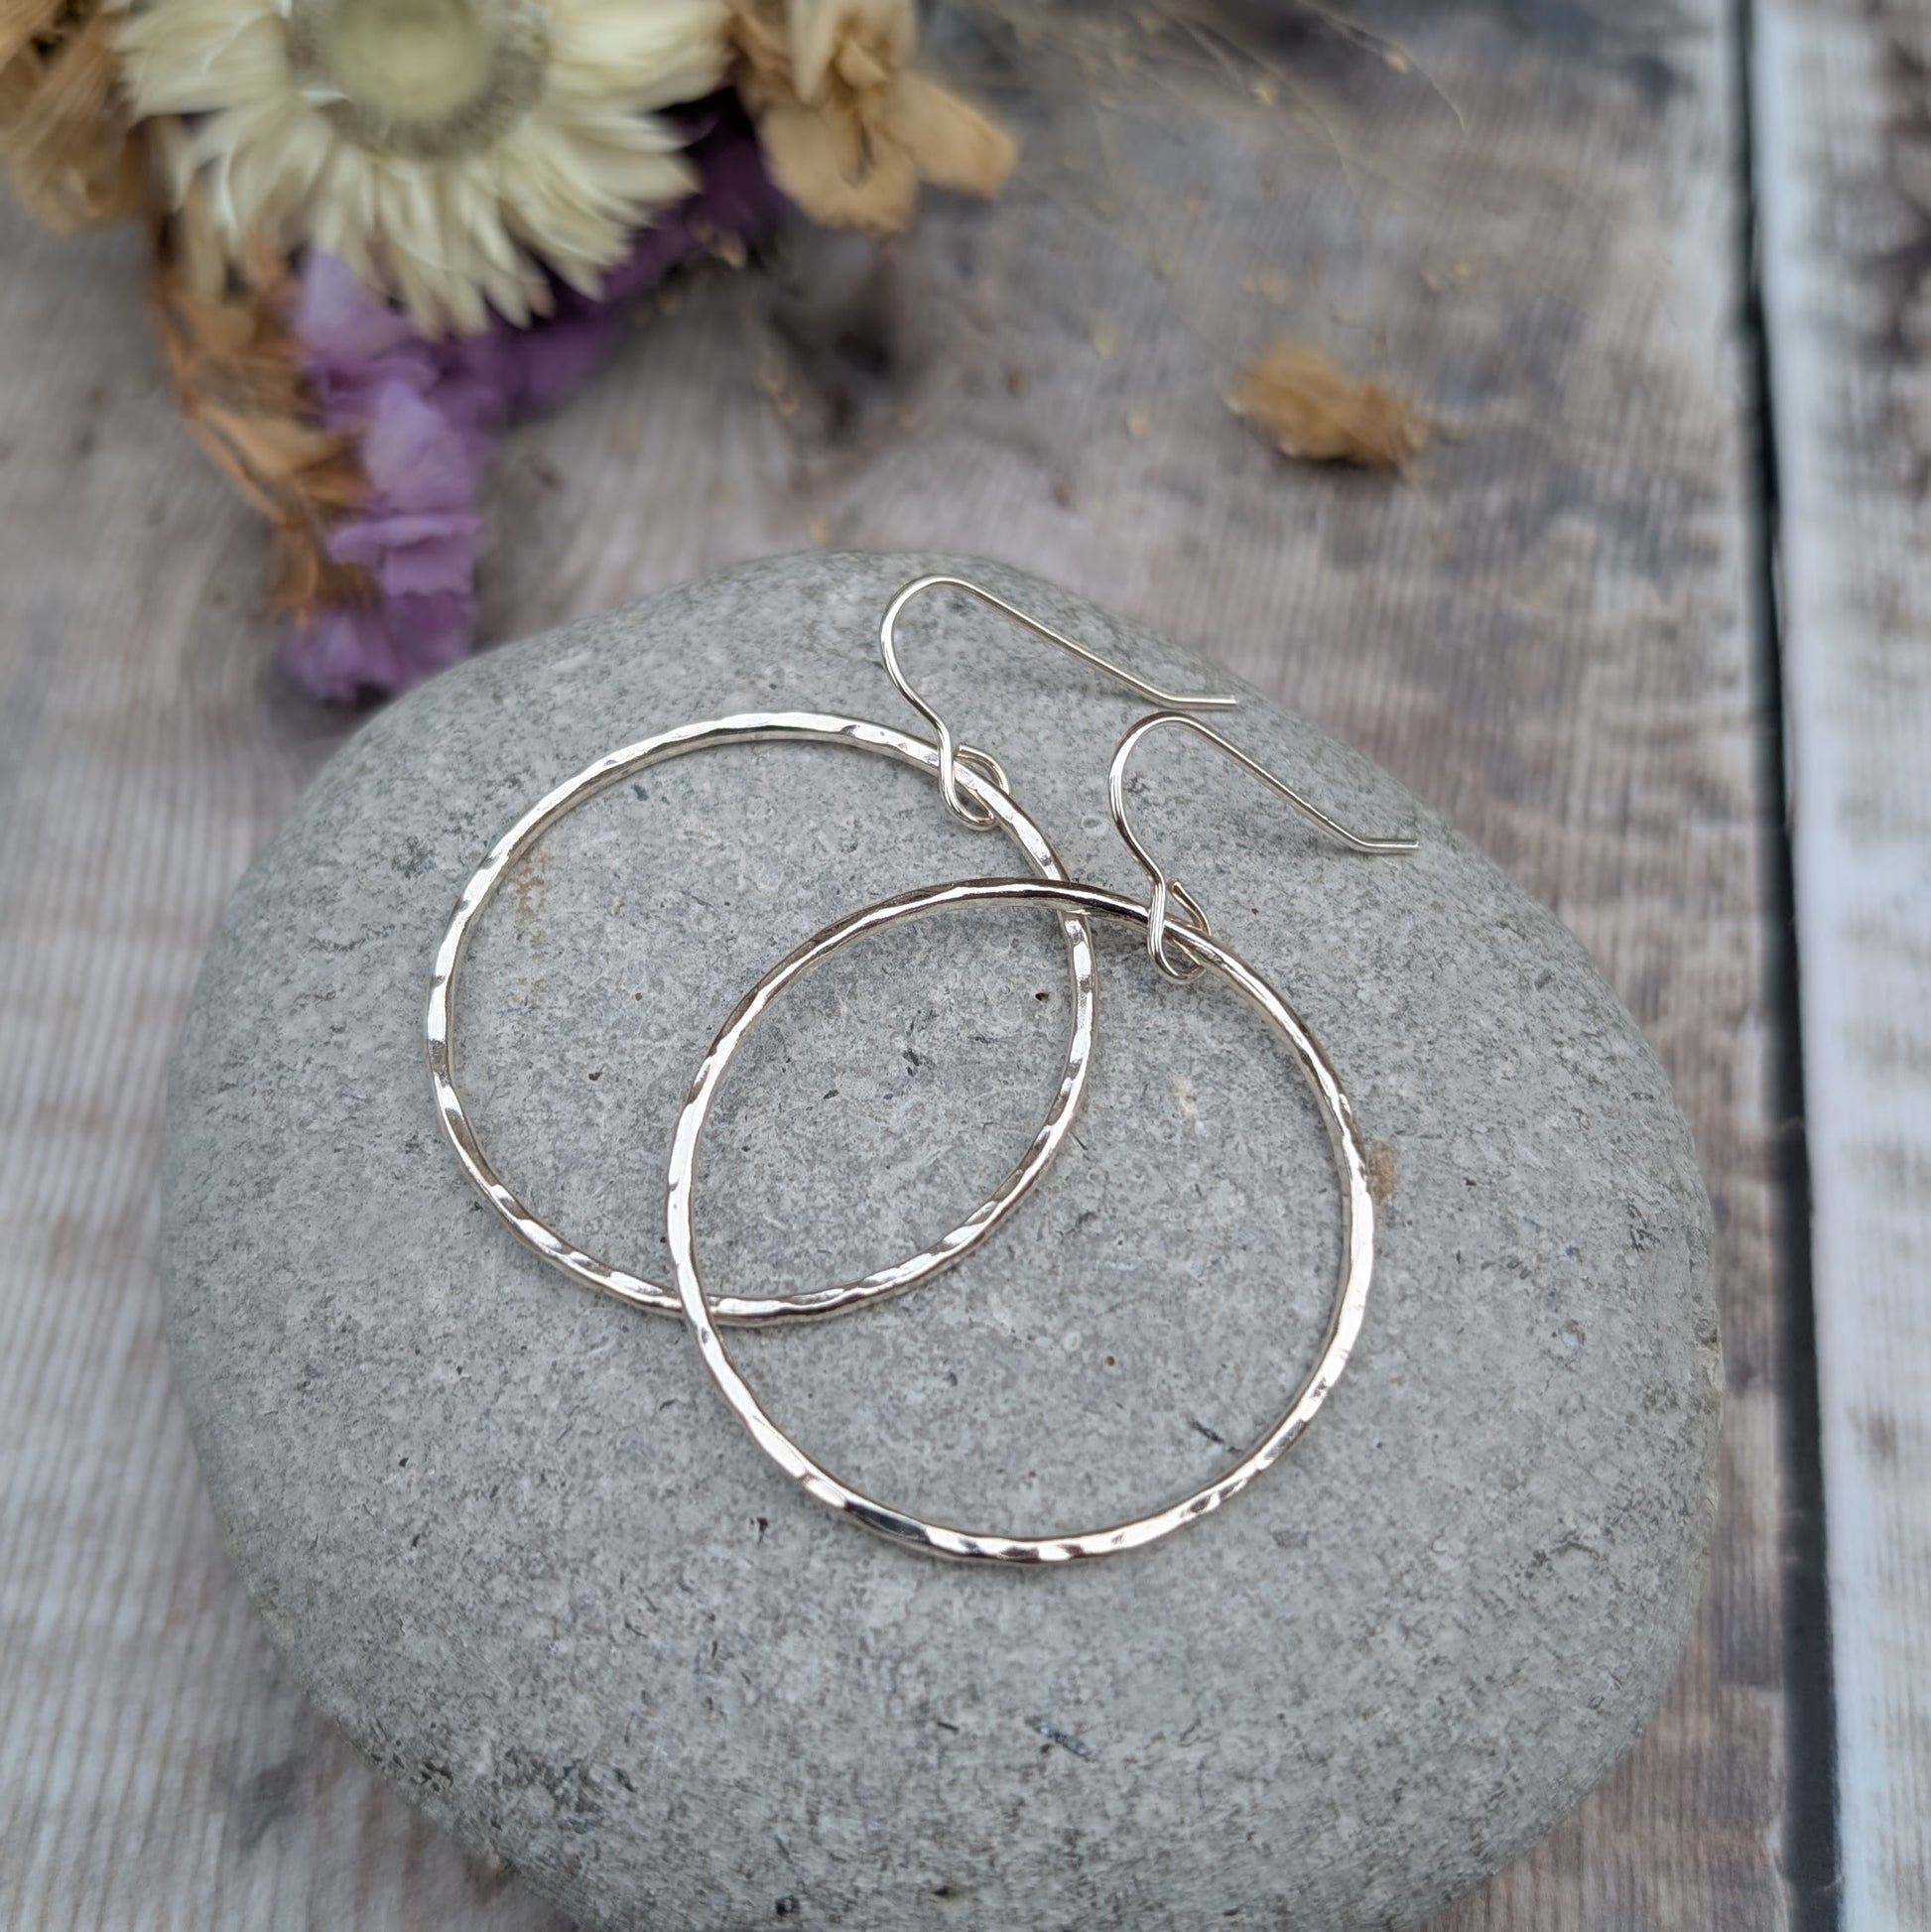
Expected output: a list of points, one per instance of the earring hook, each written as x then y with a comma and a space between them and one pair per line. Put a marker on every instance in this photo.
950, 751
1166, 888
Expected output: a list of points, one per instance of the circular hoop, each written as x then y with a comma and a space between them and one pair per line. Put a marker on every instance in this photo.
749, 729
1345, 1319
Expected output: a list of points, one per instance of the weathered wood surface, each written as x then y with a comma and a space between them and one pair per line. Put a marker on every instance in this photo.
1844, 140
1545, 631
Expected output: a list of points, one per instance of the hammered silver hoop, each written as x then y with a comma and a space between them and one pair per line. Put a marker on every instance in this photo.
987, 792
1346, 1312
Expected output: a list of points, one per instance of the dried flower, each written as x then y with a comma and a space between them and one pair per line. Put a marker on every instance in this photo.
425, 416
446, 151
65, 132
849, 129
1314, 408
415, 536
239, 381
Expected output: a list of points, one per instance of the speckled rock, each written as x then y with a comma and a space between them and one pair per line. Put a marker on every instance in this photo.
513, 1544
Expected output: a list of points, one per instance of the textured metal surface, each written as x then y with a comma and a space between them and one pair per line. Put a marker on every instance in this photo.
711, 734
1346, 1314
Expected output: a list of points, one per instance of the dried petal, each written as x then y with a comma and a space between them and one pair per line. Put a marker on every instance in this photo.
848, 128
1314, 410
65, 132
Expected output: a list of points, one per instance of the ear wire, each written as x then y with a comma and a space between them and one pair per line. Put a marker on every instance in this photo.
950, 751
1168, 890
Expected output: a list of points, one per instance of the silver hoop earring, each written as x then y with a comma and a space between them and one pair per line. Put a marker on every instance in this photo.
977, 789
989, 793
1348, 1308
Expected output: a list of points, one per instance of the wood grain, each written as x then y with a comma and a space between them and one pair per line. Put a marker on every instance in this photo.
1525, 216
1843, 141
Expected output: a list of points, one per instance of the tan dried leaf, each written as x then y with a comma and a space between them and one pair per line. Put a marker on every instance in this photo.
868, 39
66, 136
238, 377
1314, 410
953, 144
823, 165
848, 129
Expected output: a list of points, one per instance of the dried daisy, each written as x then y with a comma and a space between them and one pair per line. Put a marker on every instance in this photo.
1314, 408
849, 129
448, 151
64, 133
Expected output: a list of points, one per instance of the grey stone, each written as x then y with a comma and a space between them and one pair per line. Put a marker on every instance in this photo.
512, 1543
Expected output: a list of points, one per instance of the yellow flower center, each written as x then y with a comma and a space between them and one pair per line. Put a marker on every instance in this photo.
419, 79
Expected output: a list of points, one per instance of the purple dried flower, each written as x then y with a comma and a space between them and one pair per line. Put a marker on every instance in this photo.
345, 652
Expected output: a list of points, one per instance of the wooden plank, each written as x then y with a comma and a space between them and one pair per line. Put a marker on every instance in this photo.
1844, 138
1524, 215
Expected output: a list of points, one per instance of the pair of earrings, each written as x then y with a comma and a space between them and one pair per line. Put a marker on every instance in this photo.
1180, 943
